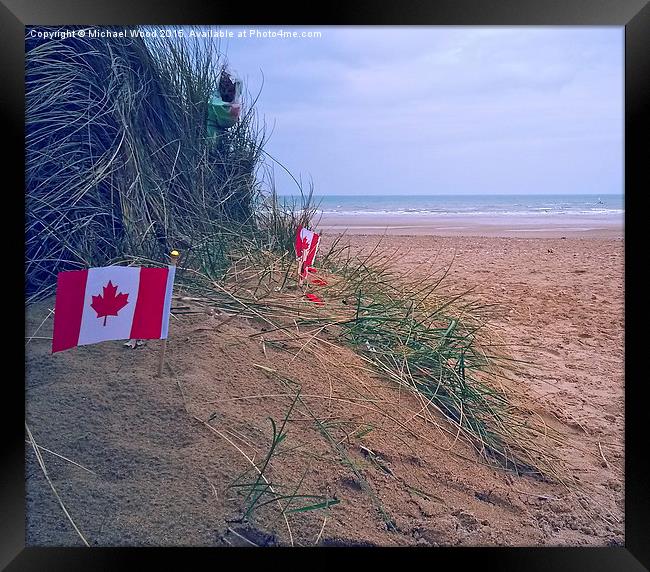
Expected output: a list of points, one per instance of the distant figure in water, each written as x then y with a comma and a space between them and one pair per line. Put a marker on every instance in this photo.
600, 202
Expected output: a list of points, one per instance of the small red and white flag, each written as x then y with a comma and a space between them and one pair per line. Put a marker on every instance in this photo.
306, 246
111, 303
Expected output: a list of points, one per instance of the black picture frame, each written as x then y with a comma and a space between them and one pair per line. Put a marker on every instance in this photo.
634, 15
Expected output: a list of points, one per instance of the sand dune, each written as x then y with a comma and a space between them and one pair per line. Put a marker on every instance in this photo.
161, 477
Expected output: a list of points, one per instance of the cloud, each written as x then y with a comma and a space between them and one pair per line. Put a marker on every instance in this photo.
350, 106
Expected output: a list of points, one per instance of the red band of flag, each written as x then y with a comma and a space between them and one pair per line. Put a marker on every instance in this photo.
70, 290
148, 317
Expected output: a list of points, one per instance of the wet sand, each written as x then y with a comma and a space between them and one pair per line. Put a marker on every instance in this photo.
472, 226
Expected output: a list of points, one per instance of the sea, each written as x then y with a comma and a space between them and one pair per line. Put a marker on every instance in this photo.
531, 207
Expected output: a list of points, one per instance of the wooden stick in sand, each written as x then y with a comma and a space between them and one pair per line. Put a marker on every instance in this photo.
301, 264
174, 255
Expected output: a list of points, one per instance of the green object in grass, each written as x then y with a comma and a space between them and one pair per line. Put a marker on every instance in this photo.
222, 114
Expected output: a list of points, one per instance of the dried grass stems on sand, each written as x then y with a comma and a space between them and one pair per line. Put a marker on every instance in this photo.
410, 412
438, 348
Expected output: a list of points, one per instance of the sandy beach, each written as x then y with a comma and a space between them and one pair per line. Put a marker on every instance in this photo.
593, 226
154, 473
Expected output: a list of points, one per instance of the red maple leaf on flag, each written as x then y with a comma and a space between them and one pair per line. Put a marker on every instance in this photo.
110, 303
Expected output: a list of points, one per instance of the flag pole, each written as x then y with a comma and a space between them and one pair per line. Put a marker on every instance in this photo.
301, 263
173, 255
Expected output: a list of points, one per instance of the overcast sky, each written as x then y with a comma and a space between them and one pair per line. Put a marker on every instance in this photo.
441, 110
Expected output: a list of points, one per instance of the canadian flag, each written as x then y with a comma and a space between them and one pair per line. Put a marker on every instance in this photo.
111, 303
306, 247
